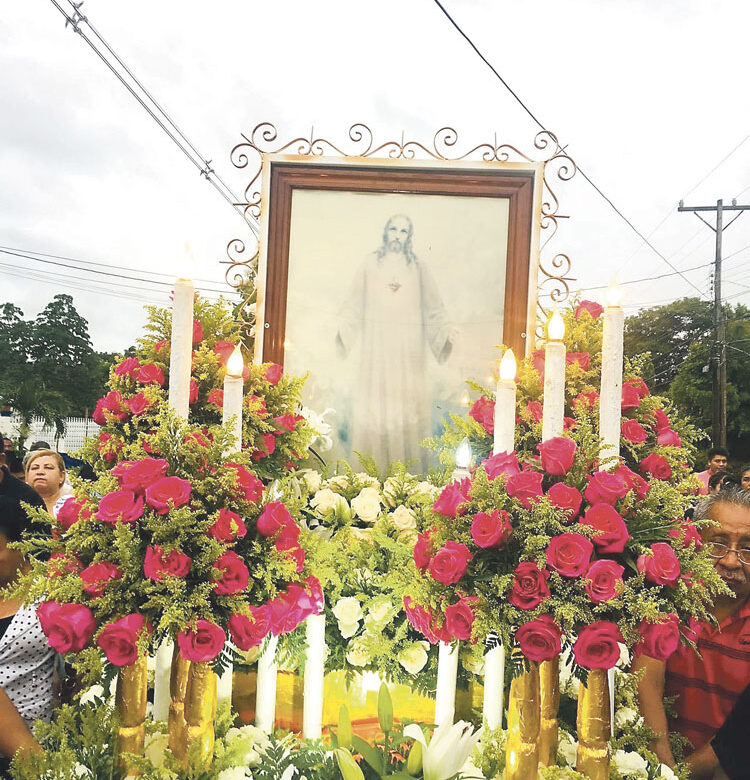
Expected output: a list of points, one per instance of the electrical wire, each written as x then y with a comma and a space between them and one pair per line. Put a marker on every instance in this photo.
543, 127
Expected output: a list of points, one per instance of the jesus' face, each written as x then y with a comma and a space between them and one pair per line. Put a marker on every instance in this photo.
397, 233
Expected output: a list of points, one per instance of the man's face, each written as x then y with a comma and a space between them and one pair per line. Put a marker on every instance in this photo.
397, 234
7, 445
733, 531
746, 479
717, 463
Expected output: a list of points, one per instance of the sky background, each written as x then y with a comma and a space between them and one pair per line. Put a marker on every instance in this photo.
646, 95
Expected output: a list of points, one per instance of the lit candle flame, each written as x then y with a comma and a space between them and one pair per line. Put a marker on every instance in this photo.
508, 366
556, 327
463, 455
613, 296
190, 264
235, 364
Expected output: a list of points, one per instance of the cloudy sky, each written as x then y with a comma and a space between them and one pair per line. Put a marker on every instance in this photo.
646, 95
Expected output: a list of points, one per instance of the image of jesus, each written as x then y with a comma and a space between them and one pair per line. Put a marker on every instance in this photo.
392, 317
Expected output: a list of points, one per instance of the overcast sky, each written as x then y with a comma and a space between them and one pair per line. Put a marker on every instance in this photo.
647, 94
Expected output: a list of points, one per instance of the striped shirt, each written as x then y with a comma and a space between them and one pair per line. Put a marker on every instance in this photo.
707, 686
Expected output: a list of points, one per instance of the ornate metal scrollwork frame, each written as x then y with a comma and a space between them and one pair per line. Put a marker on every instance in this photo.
242, 259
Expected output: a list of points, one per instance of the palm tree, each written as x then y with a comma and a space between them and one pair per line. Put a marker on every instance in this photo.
31, 398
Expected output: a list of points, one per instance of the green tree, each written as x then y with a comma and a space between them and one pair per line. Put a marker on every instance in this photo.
668, 332
32, 398
15, 336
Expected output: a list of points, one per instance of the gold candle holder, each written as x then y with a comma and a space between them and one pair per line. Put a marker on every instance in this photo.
549, 701
592, 758
176, 726
200, 711
130, 705
522, 748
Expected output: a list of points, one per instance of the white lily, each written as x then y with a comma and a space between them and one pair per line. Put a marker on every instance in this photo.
449, 748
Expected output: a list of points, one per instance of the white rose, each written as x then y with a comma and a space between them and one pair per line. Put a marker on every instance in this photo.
623, 662
340, 482
390, 489
94, 695
407, 538
312, 479
567, 749
629, 763
367, 504
403, 519
232, 773
363, 534
413, 657
348, 610
666, 772
367, 480
425, 491
379, 613
358, 655
81, 770
326, 502
156, 745
625, 716
348, 630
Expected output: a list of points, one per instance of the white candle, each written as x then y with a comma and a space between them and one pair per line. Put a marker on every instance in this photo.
505, 405
162, 673
181, 354
610, 397
554, 379
463, 459
445, 692
265, 694
494, 680
232, 409
224, 686
312, 703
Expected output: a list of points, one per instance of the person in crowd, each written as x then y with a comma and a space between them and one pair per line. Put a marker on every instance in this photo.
707, 684
26, 659
45, 472
15, 466
745, 477
14, 488
718, 459
722, 480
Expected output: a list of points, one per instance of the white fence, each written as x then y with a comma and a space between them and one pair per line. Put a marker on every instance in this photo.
76, 430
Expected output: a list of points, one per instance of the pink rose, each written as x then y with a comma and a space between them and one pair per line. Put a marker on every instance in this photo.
483, 411
639, 386
287, 423
586, 400
160, 345
633, 432
491, 529
288, 609
656, 466
228, 526
459, 618
71, 512
557, 455
661, 421
203, 643
529, 587
168, 493
424, 621
569, 554
668, 438
688, 532
150, 374
216, 398
138, 404
68, 627
501, 463
633, 481
453, 499
597, 645
224, 350
119, 639
137, 475
120, 505
631, 399
193, 394
537, 362
583, 359
604, 580
197, 332
266, 444
526, 487
249, 486
235, 575
96, 577
274, 373
450, 562
127, 367
539, 639
659, 640
569, 423
112, 403
662, 567
314, 588
612, 533
535, 411
273, 518
593, 309
423, 551
247, 632
566, 498
605, 487
156, 564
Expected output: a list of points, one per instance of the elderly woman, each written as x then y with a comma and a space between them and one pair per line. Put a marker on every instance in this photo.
26, 660
45, 472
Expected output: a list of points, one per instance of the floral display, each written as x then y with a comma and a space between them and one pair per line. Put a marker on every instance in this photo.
547, 546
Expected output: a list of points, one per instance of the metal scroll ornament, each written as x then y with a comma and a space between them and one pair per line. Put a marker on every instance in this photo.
242, 255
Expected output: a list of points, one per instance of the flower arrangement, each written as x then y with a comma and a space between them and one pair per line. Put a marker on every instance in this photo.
547, 545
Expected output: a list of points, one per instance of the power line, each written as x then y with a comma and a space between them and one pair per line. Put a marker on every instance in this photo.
201, 163
561, 148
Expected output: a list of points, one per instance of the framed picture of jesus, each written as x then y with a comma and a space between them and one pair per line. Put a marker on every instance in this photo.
392, 282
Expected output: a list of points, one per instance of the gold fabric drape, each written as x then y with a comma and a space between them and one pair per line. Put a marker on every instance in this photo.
522, 748
130, 705
593, 724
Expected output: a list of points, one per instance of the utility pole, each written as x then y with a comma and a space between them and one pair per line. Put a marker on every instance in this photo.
720, 341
